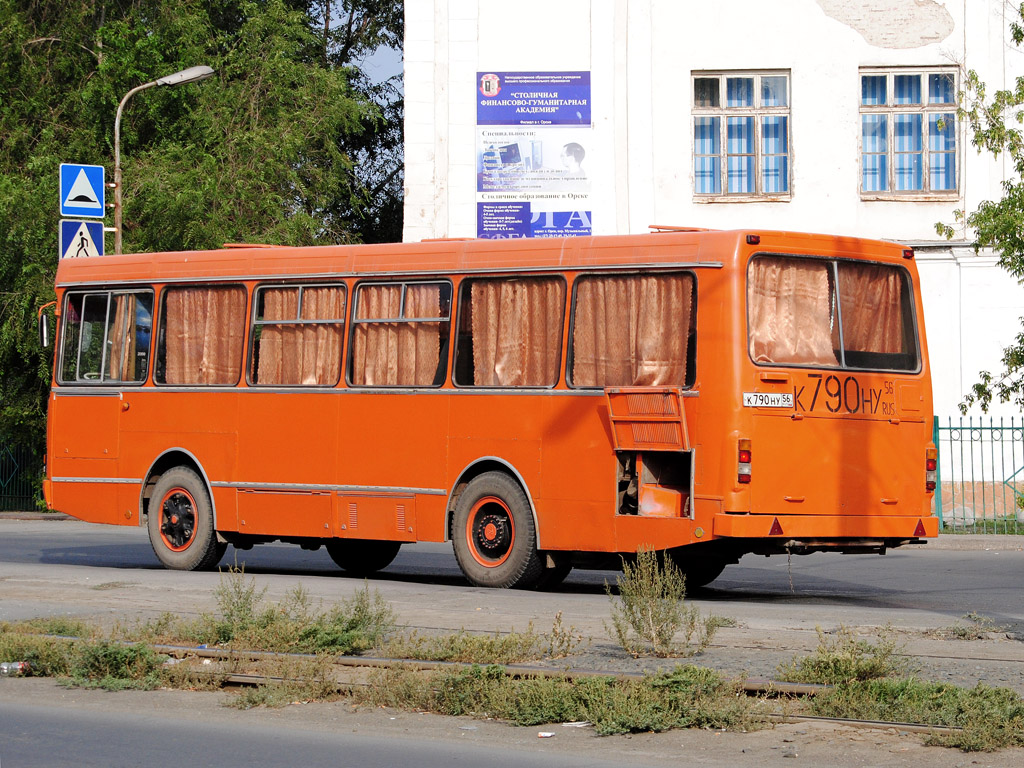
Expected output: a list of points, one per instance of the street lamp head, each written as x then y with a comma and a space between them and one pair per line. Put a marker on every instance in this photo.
190, 75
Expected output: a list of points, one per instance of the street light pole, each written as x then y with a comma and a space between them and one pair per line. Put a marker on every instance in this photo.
190, 75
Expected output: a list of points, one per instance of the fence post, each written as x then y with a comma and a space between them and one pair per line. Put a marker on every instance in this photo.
938, 471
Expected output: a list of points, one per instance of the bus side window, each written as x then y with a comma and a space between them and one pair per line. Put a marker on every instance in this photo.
632, 330
400, 334
510, 332
297, 335
107, 337
202, 329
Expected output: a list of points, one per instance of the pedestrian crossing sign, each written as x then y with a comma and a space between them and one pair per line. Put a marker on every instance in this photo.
79, 239
82, 190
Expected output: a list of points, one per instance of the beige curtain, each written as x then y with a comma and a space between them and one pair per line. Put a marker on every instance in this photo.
872, 303
121, 365
790, 312
204, 331
405, 354
292, 353
517, 332
632, 330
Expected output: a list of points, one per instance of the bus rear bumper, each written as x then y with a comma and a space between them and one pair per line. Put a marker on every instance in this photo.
823, 527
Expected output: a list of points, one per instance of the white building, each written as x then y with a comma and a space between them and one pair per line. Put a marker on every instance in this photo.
807, 115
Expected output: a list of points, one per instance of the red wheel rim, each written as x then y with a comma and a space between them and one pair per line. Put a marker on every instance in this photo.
490, 532
177, 519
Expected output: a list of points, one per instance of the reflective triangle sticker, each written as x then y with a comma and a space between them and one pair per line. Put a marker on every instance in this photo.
919, 531
776, 528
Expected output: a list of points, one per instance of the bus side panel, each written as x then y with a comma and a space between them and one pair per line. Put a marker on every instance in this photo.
204, 424
274, 449
579, 485
85, 447
395, 443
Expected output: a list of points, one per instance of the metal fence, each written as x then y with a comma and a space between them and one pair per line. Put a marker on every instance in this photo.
981, 474
20, 474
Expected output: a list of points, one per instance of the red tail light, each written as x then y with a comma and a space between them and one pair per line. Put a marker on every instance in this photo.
743, 463
931, 469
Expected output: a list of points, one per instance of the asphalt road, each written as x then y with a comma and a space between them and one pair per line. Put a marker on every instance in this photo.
110, 574
913, 586
34, 736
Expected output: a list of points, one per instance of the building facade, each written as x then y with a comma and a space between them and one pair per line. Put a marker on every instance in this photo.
544, 117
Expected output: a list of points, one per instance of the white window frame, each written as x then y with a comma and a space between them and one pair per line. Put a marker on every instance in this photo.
757, 112
891, 110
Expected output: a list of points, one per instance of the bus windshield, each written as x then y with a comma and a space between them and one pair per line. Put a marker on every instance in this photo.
796, 315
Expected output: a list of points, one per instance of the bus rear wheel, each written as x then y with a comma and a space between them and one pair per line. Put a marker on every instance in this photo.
361, 557
699, 572
180, 523
494, 536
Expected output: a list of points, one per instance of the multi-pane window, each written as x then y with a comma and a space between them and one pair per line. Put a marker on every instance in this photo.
908, 132
107, 337
297, 335
830, 314
400, 334
741, 134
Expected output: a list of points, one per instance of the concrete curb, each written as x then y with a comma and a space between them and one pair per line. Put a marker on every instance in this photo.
34, 516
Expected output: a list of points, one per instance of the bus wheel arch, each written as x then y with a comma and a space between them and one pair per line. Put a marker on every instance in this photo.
180, 514
474, 470
166, 461
494, 533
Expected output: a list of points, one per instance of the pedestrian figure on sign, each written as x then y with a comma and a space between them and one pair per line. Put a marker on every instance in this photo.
83, 246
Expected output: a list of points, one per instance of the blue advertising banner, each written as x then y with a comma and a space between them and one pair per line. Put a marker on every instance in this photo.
498, 220
533, 98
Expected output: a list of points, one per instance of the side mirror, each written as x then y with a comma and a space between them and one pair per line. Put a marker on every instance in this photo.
44, 330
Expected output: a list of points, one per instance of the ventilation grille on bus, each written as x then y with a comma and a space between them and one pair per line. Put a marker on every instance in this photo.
652, 404
656, 434
647, 418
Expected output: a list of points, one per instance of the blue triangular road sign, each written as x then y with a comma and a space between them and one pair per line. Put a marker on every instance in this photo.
82, 190
79, 239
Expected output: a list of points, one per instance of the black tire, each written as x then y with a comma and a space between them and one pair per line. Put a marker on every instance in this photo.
699, 572
494, 536
361, 557
181, 523
553, 577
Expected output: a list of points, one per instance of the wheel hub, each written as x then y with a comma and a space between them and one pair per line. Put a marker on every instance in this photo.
178, 526
492, 534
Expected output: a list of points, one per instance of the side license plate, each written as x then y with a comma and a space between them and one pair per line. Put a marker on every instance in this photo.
767, 399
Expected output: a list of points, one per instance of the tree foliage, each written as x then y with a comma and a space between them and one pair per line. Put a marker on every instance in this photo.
288, 143
995, 122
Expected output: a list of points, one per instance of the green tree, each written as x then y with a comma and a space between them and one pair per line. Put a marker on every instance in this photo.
995, 124
268, 150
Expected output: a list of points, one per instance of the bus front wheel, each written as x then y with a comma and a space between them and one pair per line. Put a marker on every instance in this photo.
181, 523
494, 536
362, 557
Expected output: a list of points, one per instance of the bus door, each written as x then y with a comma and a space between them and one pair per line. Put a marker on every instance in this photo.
837, 404
105, 343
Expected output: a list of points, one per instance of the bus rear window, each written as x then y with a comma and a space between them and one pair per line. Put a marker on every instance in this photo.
796, 316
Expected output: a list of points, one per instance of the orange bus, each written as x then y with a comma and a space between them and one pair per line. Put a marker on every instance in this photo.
542, 404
